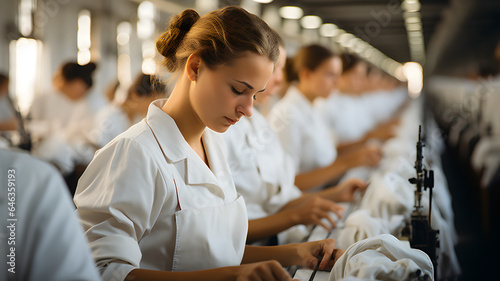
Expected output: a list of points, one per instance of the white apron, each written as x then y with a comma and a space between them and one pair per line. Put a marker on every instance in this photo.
208, 237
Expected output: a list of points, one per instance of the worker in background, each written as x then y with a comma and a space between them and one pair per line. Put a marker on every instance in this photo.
303, 132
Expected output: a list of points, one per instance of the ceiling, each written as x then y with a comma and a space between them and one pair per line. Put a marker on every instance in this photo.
459, 35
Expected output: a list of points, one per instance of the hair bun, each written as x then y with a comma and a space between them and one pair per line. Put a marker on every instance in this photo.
90, 67
170, 40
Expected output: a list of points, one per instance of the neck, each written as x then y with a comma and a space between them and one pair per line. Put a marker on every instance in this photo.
309, 96
179, 107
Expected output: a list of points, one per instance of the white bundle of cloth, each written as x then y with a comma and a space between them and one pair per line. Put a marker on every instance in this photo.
382, 257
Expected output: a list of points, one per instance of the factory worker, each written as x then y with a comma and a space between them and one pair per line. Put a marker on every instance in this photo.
116, 118
352, 113
42, 237
264, 174
61, 120
303, 133
158, 201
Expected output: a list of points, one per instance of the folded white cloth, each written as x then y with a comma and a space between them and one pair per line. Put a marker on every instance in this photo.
360, 225
383, 257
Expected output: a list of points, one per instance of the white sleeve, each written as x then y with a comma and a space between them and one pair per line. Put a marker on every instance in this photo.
50, 242
284, 123
118, 202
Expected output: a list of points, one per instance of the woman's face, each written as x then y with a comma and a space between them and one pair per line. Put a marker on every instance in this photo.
220, 97
323, 80
275, 81
356, 79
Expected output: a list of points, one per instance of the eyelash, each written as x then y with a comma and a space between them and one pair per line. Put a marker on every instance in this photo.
240, 93
236, 91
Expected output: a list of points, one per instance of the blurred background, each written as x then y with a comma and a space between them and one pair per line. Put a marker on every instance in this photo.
446, 50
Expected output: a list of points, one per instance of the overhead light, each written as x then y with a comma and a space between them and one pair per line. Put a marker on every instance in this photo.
411, 5
291, 12
263, 1
311, 22
414, 75
328, 30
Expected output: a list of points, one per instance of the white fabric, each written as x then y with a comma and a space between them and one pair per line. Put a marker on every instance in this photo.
351, 117
382, 257
360, 225
58, 120
127, 201
49, 241
303, 132
262, 172
109, 123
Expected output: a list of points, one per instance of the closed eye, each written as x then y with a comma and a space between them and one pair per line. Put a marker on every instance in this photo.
236, 91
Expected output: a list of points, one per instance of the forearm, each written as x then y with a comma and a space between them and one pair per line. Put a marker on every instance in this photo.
271, 225
216, 274
287, 255
322, 176
9, 125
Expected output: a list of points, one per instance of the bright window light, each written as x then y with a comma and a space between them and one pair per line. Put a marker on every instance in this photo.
24, 61
263, 1
291, 12
311, 22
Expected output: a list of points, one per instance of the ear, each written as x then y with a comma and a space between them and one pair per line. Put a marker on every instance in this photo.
304, 73
193, 66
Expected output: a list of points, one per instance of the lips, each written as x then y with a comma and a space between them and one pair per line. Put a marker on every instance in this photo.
231, 121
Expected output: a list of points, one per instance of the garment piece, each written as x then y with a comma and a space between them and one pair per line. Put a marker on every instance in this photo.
360, 225
128, 205
49, 241
303, 132
382, 257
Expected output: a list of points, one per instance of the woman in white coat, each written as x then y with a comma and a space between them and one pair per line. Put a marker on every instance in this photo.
158, 202
116, 117
264, 175
303, 133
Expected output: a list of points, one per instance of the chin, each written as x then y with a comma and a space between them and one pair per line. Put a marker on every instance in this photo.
219, 128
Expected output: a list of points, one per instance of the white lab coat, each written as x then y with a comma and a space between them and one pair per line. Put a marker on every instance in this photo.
109, 123
49, 241
143, 184
302, 132
262, 172
60, 128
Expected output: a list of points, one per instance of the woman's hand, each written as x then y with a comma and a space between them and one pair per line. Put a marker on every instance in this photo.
309, 210
326, 249
345, 191
261, 271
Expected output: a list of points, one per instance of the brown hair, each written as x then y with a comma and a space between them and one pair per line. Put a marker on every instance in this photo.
218, 37
71, 71
349, 61
146, 85
309, 57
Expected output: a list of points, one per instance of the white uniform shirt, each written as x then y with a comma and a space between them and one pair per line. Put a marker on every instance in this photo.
303, 132
49, 241
262, 172
126, 198
109, 123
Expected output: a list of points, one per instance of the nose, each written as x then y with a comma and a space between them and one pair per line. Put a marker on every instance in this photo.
246, 106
